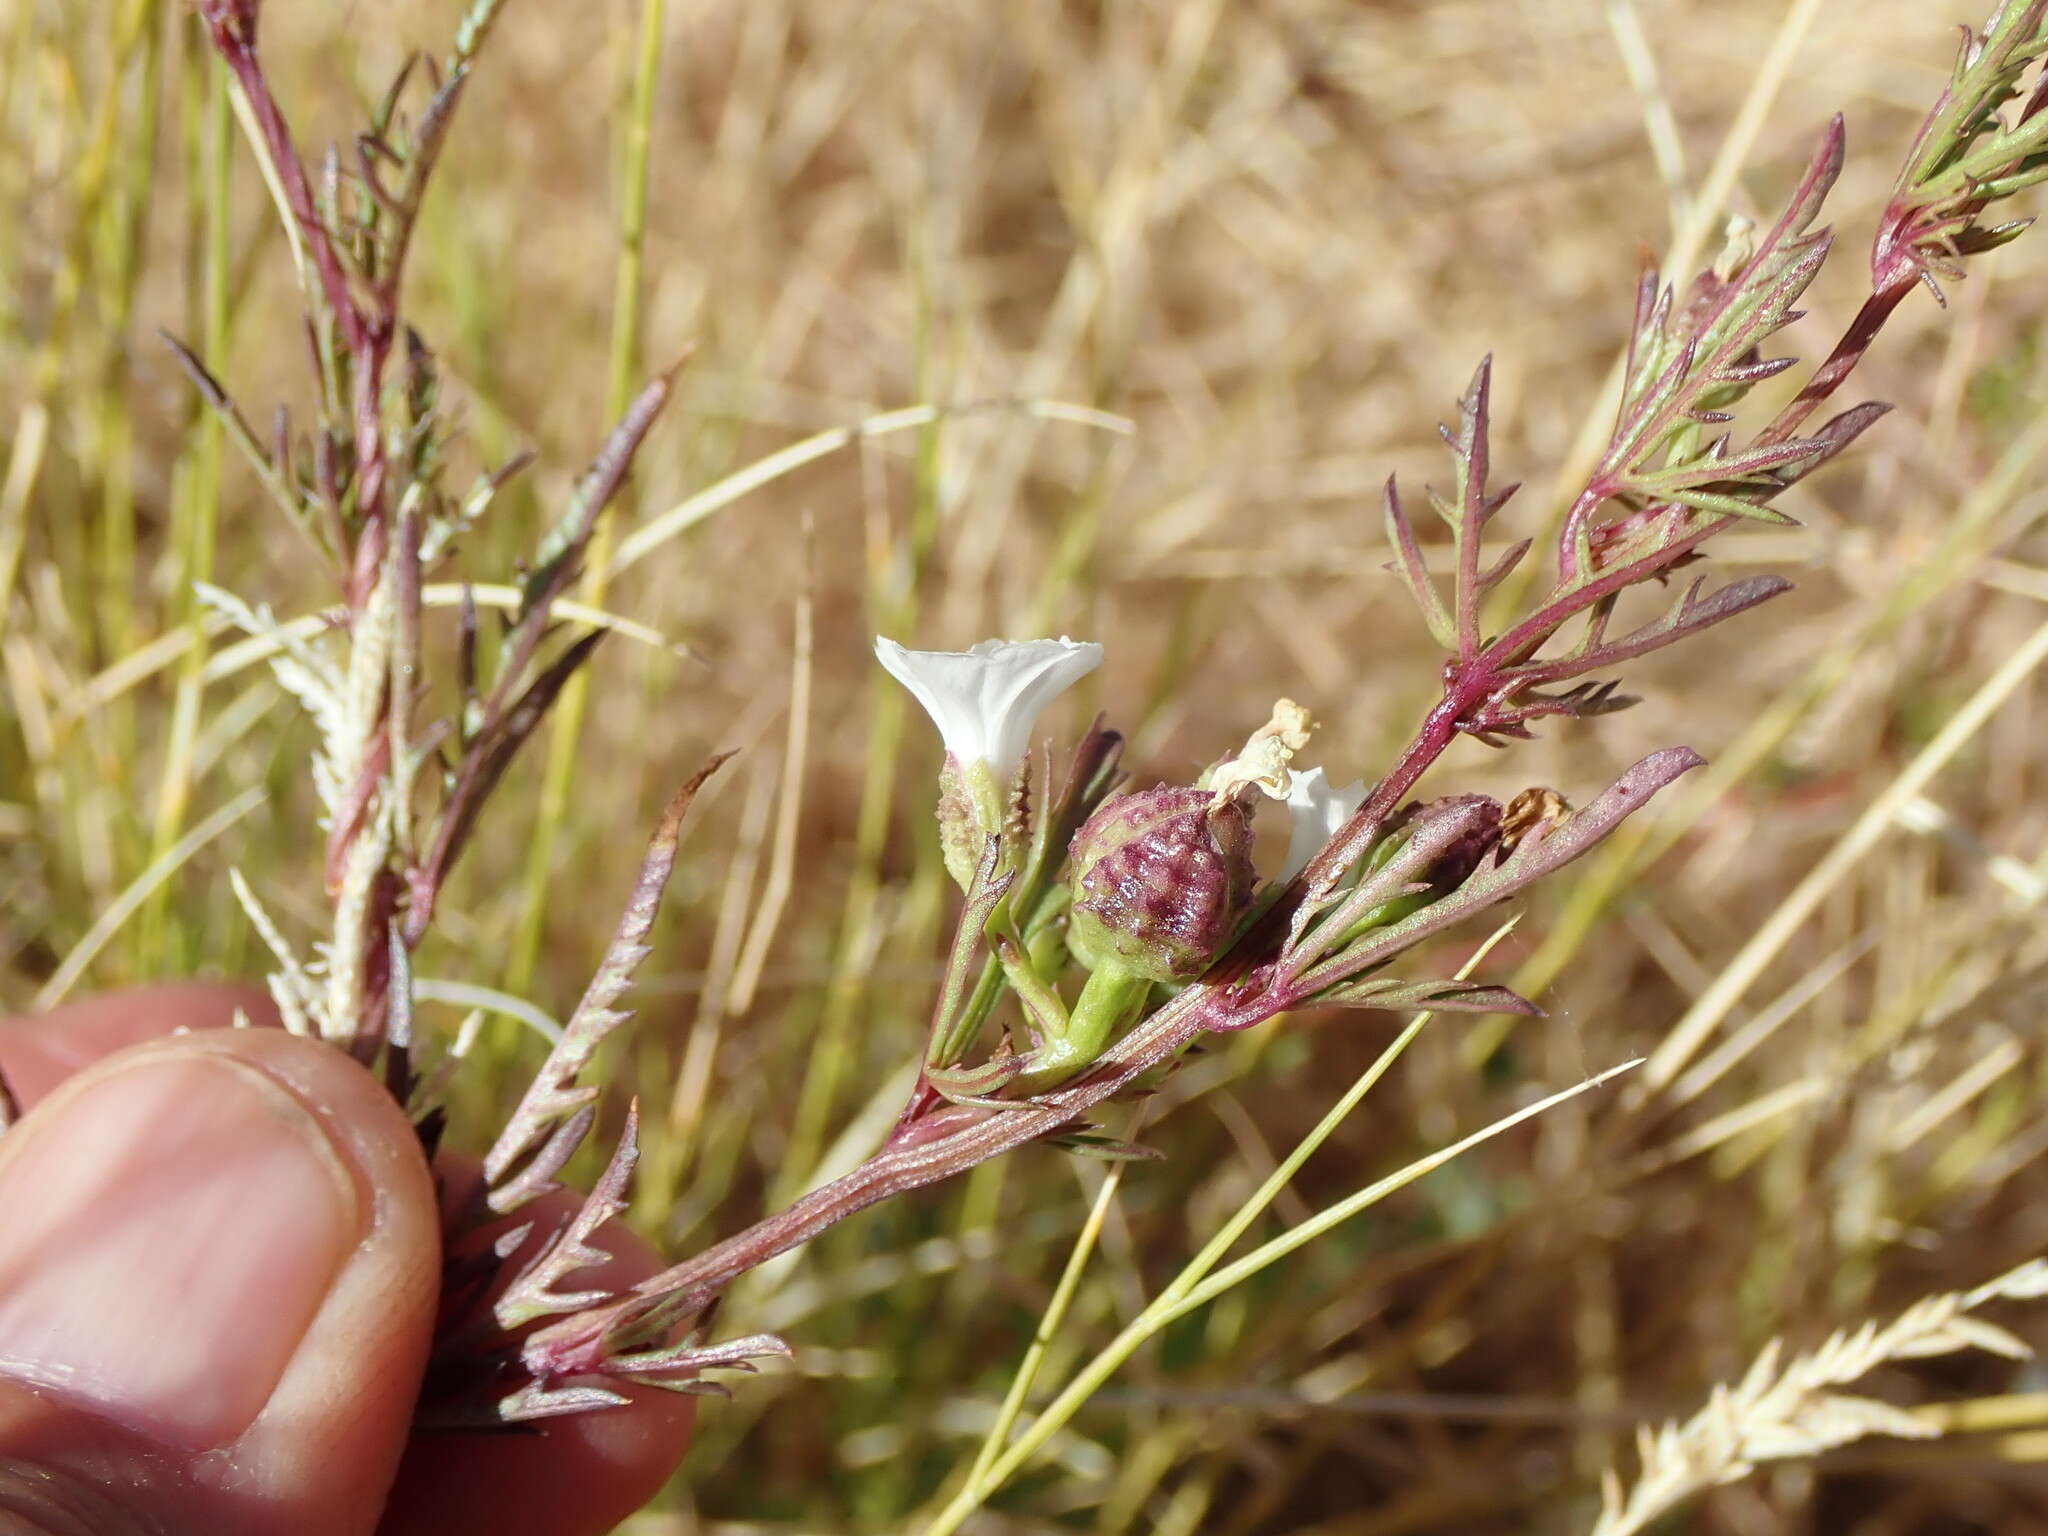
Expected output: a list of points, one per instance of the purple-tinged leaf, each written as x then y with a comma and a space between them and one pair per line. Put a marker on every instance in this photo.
1511, 557
1721, 464
560, 555
536, 1400
675, 1368
1685, 360
483, 764
536, 1176
1689, 615
1619, 568
554, 1091
1469, 448
1447, 996
271, 468
1969, 152
1429, 837
1804, 205
1734, 336
1652, 298
534, 1293
1510, 713
1540, 854
1409, 566
1637, 433
1837, 434
1723, 505
1756, 372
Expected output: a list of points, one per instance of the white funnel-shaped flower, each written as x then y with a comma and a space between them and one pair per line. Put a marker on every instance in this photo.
985, 700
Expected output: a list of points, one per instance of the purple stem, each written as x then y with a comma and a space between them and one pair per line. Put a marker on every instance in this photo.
1842, 361
577, 1343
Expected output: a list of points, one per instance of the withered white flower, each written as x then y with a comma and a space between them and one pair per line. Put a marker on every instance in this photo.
985, 700
1263, 762
1315, 810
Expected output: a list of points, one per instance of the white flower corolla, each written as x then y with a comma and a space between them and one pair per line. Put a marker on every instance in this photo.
1315, 810
985, 700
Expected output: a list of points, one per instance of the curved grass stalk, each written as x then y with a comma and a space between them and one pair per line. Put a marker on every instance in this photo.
1189, 1291
716, 497
980, 1478
124, 906
139, 665
1055, 1314
565, 732
463, 994
1739, 974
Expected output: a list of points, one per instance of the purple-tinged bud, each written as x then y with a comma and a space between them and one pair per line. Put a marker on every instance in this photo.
1160, 881
1455, 864
1437, 844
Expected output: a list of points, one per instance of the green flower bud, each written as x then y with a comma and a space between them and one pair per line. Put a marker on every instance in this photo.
1454, 866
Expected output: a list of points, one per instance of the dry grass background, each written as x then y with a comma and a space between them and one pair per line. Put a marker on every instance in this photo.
1277, 236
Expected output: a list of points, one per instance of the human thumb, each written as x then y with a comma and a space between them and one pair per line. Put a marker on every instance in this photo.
219, 1260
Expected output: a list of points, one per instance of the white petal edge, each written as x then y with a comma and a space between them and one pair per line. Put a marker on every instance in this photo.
1315, 810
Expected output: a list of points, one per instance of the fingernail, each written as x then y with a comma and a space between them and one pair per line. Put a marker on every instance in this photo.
166, 1235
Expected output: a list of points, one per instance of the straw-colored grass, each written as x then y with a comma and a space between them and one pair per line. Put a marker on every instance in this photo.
1275, 237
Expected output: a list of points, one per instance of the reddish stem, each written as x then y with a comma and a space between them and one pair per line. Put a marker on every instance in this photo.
1841, 362
578, 1343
